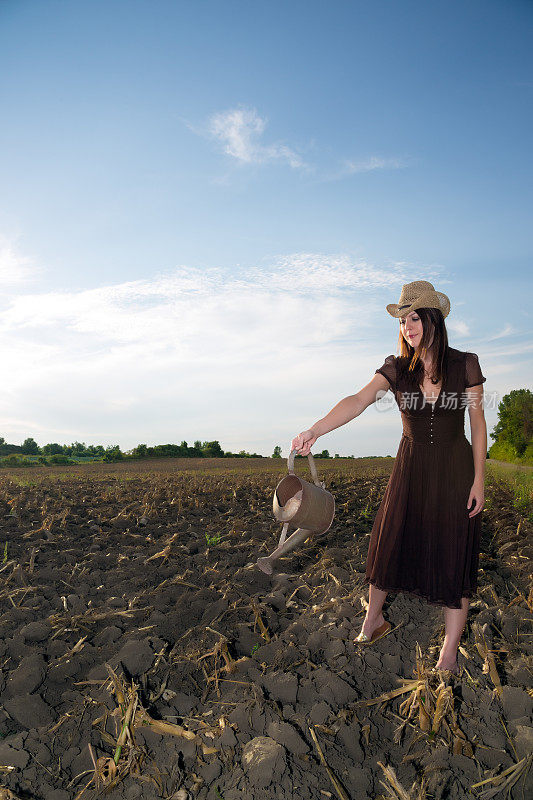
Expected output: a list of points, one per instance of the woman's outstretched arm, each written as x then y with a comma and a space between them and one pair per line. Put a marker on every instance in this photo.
346, 409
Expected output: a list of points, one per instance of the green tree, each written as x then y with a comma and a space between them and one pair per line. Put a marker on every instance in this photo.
212, 449
113, 453
30, 447
52, 448
96, 450
515, 423
277, 452
79, 449
141, 451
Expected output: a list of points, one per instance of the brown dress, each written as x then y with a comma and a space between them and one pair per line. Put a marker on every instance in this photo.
423, 542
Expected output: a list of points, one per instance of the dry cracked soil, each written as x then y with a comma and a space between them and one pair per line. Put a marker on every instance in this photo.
134, 590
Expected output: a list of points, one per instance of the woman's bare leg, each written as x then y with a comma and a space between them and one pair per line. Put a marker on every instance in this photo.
454, 622
374, 618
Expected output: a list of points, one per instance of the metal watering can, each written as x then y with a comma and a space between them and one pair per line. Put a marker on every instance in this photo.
308, 507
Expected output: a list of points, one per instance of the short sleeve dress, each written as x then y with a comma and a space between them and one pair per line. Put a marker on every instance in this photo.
422, 541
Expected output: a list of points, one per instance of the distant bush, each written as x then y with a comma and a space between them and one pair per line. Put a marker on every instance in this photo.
323, 454
11, 460
504, 451
527, 458
59, 458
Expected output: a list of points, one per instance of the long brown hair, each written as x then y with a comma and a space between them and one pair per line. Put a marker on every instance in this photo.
410, 365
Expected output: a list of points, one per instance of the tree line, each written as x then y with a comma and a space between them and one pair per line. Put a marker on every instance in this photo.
513, 435
55, 453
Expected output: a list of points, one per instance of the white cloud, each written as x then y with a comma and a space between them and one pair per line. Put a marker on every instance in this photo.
458, 326
249, 357
508, 330
240, 130
372, 163
519, 349
192, 353
237, 130
317, 273
15, 268
189, 312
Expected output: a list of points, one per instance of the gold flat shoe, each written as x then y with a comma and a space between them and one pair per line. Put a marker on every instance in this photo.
362, 638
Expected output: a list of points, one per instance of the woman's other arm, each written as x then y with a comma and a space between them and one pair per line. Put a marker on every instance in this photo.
346, 409
478, 429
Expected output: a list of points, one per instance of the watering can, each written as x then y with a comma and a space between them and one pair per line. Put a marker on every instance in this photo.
308, 507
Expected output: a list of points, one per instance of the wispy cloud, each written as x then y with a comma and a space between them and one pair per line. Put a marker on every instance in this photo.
458, 326
250, 357
240, 131
193, 352
185, 310
326, 274
372, 163
508, 330
15, 268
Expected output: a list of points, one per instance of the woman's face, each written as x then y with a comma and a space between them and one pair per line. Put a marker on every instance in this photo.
411, 329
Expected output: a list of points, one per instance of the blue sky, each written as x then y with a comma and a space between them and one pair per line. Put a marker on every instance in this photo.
207, 206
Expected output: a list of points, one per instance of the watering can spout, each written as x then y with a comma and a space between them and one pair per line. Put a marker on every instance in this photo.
266, 564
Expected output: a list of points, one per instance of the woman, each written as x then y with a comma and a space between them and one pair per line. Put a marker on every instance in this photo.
426, 533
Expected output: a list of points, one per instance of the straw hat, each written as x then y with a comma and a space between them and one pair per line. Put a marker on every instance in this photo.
419, 294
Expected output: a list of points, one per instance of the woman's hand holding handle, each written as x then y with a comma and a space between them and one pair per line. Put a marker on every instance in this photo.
304, 442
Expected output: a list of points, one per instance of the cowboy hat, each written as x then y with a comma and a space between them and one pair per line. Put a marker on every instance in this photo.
419, 294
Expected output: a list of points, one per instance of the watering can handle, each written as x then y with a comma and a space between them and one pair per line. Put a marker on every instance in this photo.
312, 467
